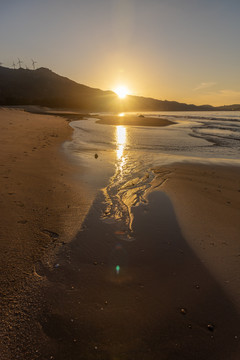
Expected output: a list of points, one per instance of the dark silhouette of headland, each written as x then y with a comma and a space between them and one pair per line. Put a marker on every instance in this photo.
43, 87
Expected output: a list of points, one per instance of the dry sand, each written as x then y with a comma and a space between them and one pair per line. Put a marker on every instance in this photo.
41, 206
168, 301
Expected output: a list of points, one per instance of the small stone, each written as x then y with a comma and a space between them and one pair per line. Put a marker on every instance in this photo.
211, 327
197, 287
95, 263
96, 156
106, 302
95, 347
56, 266
189, 326
183, 311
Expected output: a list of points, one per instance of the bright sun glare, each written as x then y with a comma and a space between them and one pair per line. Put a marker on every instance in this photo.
121, 91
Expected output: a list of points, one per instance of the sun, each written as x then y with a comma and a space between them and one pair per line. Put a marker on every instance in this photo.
121, 91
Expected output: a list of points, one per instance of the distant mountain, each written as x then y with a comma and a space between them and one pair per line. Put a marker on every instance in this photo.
234, 107
46, 88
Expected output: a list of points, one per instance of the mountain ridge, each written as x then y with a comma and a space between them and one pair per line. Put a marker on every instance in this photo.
44, 87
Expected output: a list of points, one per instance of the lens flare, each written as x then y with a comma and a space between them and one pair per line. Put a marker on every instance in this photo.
117, 269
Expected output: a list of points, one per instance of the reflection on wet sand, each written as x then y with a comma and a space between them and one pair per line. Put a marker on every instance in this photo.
147, 299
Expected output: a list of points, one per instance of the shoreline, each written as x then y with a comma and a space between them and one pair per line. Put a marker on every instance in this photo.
62, 297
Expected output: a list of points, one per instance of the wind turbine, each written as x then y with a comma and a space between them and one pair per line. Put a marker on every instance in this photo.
19, 63
33, 64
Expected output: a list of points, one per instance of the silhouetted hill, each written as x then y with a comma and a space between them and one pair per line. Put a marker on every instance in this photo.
45, 88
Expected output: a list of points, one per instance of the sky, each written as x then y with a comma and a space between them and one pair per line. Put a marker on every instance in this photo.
181, 50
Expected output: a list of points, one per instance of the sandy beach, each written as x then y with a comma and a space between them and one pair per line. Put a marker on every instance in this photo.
41, 208
175, 294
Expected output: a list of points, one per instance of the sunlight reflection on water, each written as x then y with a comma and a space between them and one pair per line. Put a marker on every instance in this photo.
121, 139
127, 155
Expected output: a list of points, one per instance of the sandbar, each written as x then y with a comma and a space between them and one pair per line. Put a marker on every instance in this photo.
133, 120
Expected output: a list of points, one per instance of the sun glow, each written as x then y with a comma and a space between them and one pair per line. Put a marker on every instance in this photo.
121, 91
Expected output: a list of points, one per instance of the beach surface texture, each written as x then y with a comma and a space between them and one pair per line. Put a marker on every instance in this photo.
77, 285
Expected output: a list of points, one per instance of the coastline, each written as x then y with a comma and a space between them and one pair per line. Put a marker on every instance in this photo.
62, 297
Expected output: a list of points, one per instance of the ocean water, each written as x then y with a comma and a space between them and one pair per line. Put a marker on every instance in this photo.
120, 159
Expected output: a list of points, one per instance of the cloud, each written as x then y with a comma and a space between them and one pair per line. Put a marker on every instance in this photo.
205, 85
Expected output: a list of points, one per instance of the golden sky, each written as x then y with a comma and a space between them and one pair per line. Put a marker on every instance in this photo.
183, 50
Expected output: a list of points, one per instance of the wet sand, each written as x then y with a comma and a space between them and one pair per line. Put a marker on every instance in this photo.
151, 298
206, 200
72, 289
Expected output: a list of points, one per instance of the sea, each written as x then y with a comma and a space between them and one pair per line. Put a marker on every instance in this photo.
120, 160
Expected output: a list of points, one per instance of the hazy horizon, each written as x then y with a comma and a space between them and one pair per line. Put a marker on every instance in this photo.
169, 50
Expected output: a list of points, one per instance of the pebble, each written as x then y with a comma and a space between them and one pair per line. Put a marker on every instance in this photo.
96, 156
183, 311
211, 327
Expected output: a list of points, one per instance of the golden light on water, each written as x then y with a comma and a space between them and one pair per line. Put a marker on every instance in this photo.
121, 91
121, 138
121, 135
